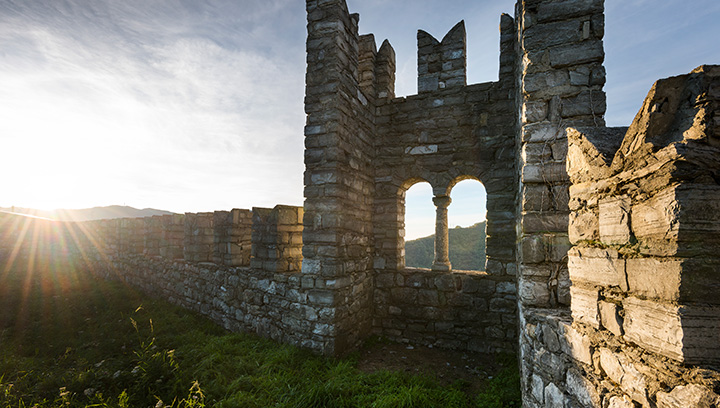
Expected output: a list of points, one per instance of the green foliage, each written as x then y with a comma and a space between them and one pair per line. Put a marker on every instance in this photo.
467, 249
74, 341
503, 390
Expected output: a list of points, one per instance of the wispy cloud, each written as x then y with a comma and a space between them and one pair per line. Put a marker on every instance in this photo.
172, 96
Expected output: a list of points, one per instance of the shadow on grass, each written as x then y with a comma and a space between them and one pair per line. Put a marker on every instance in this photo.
70, 339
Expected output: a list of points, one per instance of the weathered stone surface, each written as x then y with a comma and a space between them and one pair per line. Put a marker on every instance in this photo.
582, 388
624, 373
576, 344
583, 226
610, 318
658, 278
693, 395
534, 293
537, 388
596, 266
621, 402
584, 306
656, 326
614, 221
554, 397
591, 151
676, 110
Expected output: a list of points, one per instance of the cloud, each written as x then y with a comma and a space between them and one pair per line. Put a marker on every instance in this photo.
156, 97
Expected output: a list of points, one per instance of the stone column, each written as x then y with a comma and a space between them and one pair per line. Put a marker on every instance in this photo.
442, 251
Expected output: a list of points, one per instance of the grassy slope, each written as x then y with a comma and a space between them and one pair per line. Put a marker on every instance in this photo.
467, 249
68, 339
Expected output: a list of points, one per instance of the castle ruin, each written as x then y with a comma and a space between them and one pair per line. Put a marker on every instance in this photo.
602, 266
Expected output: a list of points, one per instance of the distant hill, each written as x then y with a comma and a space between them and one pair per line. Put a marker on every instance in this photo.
86, 214
467, 249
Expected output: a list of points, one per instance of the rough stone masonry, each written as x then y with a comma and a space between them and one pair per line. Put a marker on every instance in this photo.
602, 261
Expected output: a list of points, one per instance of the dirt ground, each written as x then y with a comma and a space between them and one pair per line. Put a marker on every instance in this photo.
447, 366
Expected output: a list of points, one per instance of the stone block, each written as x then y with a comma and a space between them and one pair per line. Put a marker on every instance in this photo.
583, 226
547, 173
545, 222
533, 249
582, 389
584, 305
544, 81
624, 373
542, 131
536, 197
533, 293
554, 397
565, 9
551, 34
445, 283
533, 153
688, 333
575, 343
614, 221
550, 338
657, 218
534, 111
576, 54
537, 388
496, 304
692, 395
321, 297
404, 295
655, 326
683, 217
658, 278
428, 297
610, 318
559, 246
596, 266
621, 402
586, 103
541, 270
505, 288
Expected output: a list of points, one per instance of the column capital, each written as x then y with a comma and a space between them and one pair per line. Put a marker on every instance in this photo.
442, 201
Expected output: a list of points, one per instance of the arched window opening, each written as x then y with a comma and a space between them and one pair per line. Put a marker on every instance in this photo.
419, 226
466, 222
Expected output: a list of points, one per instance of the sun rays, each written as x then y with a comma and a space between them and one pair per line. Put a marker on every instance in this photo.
46, 255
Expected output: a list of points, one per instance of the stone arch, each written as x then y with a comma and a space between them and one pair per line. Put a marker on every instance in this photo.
389, 220
479, 208
422, 204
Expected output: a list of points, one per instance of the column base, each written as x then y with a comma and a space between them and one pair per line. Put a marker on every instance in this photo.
441, 266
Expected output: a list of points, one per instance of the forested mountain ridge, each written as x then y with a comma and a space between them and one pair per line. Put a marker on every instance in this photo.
467, 249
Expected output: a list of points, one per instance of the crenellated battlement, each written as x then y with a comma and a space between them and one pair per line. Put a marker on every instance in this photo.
377, 68
442, 64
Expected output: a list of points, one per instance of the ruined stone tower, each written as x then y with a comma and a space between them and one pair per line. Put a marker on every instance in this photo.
582, 315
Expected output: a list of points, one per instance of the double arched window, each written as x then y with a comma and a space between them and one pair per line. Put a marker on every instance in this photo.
445, 231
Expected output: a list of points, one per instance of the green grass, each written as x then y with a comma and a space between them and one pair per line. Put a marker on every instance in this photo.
68, 339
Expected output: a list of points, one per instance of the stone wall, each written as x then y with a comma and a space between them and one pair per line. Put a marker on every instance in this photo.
560, 72
338, 168
644, 325
277, 238
461, 310
269, 295
233, 237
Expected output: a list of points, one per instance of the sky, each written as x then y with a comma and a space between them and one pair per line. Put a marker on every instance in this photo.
197, 105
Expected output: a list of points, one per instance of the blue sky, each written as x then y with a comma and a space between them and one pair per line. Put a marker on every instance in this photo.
197, 105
